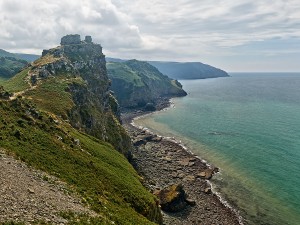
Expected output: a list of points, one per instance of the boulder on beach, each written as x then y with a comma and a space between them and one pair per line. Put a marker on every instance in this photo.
138, 142
208, 173
172, 198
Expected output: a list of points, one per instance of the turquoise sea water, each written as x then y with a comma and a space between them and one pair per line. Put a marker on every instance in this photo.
249, 126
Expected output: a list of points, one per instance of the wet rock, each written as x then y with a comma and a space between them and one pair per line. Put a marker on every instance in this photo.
156, 139
139, 142
208, 173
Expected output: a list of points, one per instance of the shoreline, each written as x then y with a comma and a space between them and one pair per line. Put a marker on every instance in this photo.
164, 161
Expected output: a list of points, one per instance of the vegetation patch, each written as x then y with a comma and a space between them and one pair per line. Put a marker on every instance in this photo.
18, 82
118, 70
53, 95
47, 59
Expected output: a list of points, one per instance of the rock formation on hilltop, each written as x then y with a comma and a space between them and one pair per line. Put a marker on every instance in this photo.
95, 109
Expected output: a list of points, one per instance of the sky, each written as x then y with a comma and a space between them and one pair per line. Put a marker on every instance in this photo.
234, 35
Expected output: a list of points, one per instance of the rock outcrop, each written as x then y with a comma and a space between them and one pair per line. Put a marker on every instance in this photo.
71, 39
95, 110
172, 198
88, 39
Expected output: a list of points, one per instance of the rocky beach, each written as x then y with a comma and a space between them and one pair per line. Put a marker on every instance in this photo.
178, 178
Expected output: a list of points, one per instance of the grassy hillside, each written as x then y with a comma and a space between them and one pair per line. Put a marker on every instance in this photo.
137, 83
62, 119
100, 174
122, 71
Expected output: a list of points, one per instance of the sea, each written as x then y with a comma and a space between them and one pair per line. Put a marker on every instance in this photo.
248, 125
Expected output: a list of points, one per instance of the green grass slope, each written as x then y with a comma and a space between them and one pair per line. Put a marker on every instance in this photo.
137, 83
100, 174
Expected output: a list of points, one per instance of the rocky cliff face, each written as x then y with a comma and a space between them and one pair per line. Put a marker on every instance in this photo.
94, 108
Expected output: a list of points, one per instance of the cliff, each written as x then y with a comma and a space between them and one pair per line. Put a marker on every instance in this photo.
81, 67
137, 84
59, 116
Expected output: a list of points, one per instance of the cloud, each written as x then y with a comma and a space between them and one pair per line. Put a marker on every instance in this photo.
38, 24
154, 29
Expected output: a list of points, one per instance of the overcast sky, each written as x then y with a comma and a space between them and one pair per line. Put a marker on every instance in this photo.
234, 35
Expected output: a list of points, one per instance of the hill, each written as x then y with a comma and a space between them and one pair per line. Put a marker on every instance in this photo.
137, 84
4, 53
26, 57
11, 64
188, 70
59, 116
